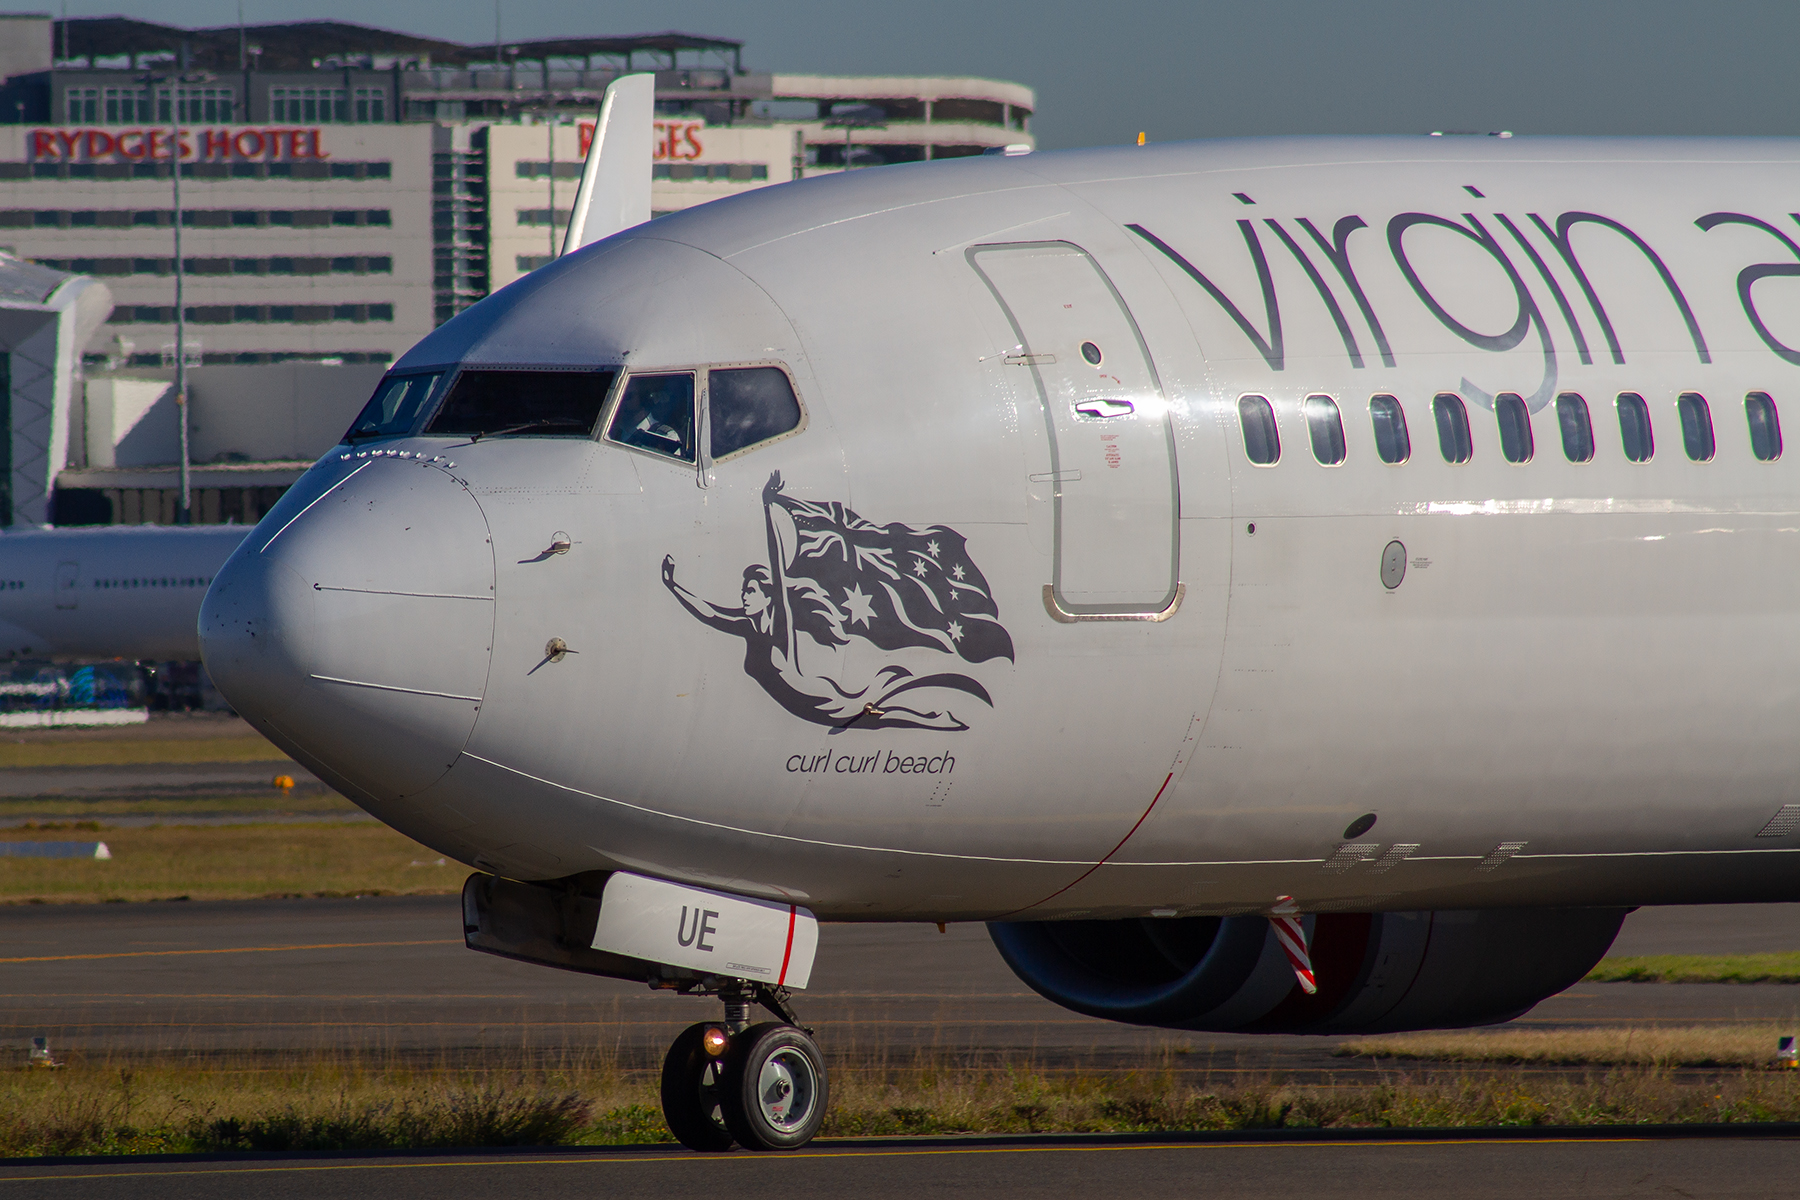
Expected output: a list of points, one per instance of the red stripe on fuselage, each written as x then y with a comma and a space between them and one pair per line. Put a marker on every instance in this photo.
1059, 891
789, 952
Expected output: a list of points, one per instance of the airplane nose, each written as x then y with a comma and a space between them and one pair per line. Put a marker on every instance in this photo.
359, 629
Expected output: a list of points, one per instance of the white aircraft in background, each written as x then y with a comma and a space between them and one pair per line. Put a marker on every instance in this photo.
108, 591
1301, 585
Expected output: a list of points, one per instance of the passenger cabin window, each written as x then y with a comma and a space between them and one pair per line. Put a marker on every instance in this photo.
749, 405
1262, 442
1765, 426
1392, 442
394, 408
1515, 427
492, 403
656, 413
1634, 427
1452, 427
1696, 426
1326, 427
1577, 430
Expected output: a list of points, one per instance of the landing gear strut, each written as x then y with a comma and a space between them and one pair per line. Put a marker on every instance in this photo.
760, 1086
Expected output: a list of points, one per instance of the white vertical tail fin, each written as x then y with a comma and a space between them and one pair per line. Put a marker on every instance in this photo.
615, 182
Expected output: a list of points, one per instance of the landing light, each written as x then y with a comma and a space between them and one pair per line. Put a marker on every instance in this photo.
715, 1040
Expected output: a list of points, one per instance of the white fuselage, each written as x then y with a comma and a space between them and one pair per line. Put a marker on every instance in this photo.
1581, 692
108, 591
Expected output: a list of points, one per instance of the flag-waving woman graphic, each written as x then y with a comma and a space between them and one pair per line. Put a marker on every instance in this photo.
896, 586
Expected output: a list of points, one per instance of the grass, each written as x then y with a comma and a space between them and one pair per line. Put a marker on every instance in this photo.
96, 752
302, 801
327, 1101
226, 862
1783, 967
1751, 1046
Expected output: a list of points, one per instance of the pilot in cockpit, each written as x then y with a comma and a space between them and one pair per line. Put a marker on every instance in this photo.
657, 414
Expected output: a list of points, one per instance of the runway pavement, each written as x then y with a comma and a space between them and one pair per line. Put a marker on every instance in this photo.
994, 1169
392, 975
155, 780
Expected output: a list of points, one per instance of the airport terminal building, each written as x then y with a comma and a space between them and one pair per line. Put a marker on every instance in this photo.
344, 189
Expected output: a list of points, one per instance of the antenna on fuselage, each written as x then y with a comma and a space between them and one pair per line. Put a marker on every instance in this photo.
615, 183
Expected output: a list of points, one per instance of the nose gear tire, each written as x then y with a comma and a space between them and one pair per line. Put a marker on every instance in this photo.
774, 1093
693, 1092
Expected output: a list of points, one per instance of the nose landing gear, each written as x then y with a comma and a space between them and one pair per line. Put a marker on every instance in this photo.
761, 1086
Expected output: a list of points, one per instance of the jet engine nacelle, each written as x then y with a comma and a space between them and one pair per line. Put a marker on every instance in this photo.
1377, 973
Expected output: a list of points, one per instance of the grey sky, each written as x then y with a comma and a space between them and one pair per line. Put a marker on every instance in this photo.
1208, 69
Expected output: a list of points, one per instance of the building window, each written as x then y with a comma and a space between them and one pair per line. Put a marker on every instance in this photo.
686, 172
192, 104
127, 106
84, 106
342, 265
252, 314
328, 105
309, 105
201, 105
195, 218
370, 106
542, 170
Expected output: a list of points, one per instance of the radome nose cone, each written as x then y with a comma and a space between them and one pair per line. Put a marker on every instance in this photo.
256, 612
361, 630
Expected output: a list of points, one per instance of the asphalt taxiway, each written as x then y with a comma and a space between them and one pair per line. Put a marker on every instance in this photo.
392, 975
994, 1169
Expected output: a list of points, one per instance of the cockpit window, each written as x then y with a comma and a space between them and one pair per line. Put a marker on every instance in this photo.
489, 403
749, 405
394, 408
656, 413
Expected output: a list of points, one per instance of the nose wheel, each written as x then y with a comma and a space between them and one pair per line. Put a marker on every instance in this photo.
691, 1089
762, 1087
775, 1092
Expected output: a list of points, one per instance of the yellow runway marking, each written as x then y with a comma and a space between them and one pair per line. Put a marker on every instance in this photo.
230, 950
899, 1152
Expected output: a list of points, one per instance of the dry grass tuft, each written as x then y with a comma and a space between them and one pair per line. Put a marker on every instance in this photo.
1750, 1046
1783, 967
113, 750
332, 1101
231, 862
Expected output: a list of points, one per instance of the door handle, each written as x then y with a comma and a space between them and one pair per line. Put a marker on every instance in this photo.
1105, 408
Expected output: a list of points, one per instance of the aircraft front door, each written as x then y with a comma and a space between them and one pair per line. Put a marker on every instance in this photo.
1112, 452
68, 580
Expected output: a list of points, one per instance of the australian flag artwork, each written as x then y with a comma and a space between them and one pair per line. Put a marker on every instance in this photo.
834, 577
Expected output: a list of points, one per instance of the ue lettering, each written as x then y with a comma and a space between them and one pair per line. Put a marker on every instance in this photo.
703, 928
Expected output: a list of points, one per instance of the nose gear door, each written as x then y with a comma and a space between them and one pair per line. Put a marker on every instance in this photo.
1111, 447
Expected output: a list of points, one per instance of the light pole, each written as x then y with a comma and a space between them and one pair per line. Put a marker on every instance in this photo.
857, 116
184, 515
550, 154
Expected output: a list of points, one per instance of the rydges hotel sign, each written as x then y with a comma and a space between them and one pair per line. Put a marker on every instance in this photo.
261, 143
